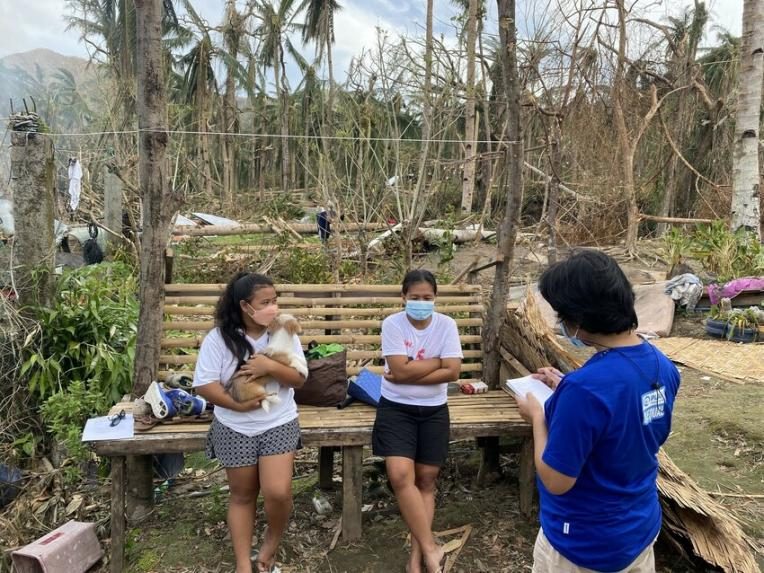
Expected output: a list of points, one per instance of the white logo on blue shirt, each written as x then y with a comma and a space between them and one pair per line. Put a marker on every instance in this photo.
653, 405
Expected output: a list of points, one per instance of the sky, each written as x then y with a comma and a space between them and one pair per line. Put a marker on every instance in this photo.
29, 24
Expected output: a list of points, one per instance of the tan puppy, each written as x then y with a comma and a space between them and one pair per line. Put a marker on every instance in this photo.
244, 387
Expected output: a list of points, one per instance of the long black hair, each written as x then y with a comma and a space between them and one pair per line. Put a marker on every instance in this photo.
228, 314
591, 291
419, 276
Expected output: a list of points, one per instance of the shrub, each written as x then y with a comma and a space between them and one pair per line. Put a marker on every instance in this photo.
88, 334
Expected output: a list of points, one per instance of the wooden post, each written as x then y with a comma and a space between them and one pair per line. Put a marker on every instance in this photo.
33, 187
527, 476
118, 487
169, 264
112, 207
352, 492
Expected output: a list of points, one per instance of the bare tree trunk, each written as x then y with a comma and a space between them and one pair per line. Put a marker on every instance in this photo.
508, 229
284, 99
330, 65
470, 127
202, 104
746, 179
622, 133
33, 185
230, 112
416, 205
555, 166
153, 177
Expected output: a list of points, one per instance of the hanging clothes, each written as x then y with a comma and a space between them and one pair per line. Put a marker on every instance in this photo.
75, 183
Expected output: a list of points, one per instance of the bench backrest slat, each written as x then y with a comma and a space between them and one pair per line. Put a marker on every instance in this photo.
347, 314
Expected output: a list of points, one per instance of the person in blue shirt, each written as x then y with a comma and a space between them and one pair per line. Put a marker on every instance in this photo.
596, 439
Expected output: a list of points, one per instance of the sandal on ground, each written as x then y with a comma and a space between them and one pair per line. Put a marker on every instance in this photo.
265, 566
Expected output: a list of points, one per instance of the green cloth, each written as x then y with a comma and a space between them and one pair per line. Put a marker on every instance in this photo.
323, 350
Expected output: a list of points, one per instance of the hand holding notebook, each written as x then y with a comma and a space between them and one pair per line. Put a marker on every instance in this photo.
520, 387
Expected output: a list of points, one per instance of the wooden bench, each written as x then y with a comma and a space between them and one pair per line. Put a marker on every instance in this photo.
347, 314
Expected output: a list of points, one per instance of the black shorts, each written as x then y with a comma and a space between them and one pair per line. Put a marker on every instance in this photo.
416, 432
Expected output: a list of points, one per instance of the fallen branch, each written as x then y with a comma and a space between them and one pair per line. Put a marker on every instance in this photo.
676, 220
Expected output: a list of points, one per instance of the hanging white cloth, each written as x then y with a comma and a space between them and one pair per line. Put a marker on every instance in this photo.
75, 183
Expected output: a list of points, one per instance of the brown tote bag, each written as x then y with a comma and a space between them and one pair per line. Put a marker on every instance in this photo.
327, 382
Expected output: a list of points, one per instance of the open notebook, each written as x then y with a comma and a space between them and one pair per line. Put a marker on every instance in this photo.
527, 384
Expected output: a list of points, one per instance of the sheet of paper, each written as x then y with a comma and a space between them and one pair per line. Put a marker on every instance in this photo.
528, 384
97, 429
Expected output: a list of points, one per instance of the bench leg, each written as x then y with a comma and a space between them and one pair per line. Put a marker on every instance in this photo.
490, 468
352, 491
118, 489
527, 476
325, 467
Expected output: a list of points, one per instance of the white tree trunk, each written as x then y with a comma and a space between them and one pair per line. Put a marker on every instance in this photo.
470, 125
745, 173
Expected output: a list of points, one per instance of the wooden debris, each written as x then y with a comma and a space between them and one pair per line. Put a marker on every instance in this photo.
689, 513
455, 546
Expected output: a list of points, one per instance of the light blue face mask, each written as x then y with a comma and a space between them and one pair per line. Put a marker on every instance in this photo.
574, 340
420, 309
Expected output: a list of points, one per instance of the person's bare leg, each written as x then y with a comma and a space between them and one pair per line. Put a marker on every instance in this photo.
244, 485
401, 473
276, 486
425, 478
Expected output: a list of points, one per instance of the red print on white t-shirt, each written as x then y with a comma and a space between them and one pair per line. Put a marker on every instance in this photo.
420, 354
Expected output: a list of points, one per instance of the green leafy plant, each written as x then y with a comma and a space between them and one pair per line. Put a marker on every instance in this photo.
726, 254
302, 266
66, 411
676, 246
282, 206
87, 335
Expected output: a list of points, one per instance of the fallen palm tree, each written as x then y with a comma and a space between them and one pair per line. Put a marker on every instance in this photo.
689, 513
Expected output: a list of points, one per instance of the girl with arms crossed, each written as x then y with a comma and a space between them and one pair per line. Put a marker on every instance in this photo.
422, 354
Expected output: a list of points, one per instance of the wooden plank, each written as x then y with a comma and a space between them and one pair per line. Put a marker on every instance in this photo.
180, 359
527, 477
196, 340
292, 301
177, 310
256, 229
352, 492
118, 525
197, 325
217, 288
351, 371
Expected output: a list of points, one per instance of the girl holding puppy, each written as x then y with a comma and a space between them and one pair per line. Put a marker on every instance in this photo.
422, 354
256, 447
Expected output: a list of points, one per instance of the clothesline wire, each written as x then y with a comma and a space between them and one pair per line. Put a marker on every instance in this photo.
277, 136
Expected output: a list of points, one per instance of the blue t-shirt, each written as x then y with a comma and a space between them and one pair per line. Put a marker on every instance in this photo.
606, 422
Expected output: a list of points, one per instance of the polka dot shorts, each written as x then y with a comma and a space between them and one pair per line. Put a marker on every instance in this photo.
235, 450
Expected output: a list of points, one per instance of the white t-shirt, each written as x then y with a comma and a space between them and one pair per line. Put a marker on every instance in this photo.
216, 363
439, 340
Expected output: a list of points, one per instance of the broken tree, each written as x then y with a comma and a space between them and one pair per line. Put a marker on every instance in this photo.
32, 183
157, 210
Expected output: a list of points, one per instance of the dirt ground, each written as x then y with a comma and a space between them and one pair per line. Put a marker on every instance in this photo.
718, 438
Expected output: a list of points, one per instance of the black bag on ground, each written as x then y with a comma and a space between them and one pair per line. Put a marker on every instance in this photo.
327, 382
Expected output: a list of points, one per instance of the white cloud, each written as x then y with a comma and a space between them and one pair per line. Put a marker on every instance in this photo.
30, 24
26, 25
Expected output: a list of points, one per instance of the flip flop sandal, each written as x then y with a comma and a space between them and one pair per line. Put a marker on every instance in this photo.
269, 567
144, 423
